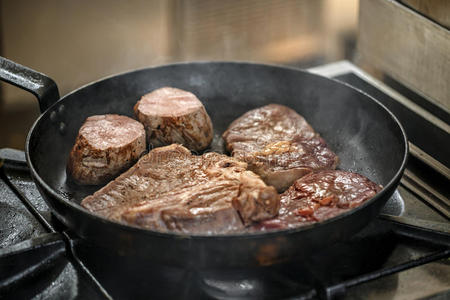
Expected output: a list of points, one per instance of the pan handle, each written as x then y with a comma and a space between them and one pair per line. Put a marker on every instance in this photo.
43, 87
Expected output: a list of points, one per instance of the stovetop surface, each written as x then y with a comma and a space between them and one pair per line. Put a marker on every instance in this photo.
403, 254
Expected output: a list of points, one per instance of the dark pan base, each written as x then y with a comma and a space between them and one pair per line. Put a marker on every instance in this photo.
217, 251
367, 138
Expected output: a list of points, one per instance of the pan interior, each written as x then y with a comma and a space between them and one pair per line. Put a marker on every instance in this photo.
363, 134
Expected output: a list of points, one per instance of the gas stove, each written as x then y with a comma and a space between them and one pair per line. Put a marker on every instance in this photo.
403, 254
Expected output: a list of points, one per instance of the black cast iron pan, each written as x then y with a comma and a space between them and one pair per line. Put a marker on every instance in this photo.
365, 135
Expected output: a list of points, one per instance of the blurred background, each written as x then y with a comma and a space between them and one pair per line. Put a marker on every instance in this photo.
76, 42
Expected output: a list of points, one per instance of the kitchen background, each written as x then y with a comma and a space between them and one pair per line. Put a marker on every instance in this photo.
76, 42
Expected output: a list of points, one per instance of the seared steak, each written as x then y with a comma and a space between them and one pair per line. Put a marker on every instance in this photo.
172, 115
106, 145
320, 196
278, 144
169, 189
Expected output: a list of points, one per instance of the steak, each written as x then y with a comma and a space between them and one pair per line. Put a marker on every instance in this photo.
171, 115
106, 145
320, 196
169, 189
278, 144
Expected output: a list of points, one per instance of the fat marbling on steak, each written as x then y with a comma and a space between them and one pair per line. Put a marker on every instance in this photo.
171, 115
169, 189
319, 196
106, 145
278, 144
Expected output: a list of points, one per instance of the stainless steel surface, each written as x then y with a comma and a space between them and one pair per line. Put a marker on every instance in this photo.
415, 51
344, 67
417, 283
426, 192
429, 160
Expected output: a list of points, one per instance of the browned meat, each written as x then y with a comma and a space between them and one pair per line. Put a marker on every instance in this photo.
320, 196
106, 145
172, 115
278, 144
170, 189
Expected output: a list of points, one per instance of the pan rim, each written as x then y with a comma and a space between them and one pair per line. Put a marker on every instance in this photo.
245, 235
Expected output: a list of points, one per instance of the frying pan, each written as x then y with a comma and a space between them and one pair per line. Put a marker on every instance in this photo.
366, 136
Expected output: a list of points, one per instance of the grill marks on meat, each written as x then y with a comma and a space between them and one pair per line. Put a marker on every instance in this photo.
320, 196
171, 115
106, 145
170, 189
278, 144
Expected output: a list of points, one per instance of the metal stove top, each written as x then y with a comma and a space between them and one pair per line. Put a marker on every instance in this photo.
402, 255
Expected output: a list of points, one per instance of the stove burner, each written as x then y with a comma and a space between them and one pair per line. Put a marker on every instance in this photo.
40, 258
